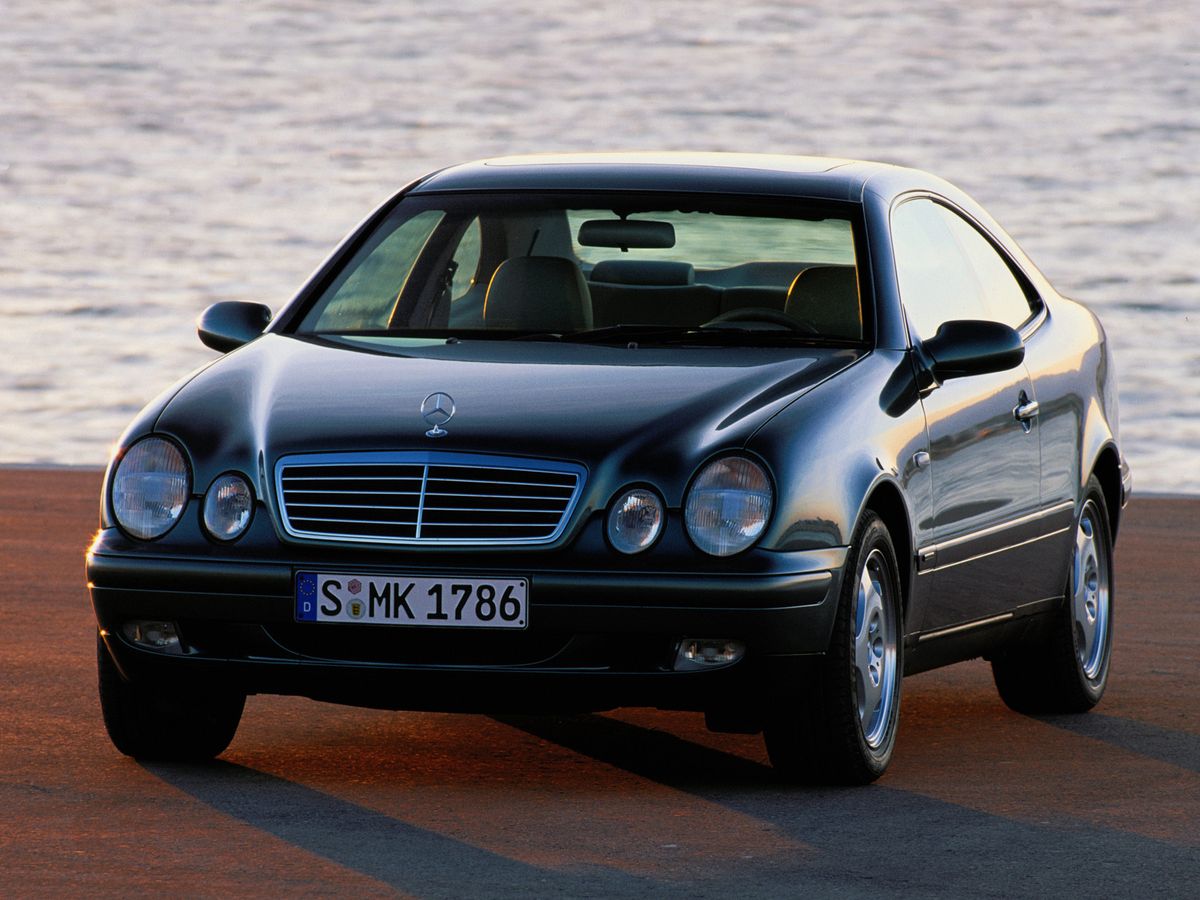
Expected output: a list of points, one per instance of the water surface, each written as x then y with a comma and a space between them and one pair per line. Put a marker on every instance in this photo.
155, 158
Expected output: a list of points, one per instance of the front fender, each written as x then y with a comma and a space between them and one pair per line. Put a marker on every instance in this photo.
830, 449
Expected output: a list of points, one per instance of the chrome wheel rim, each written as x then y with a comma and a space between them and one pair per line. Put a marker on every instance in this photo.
875, 630
1090, 592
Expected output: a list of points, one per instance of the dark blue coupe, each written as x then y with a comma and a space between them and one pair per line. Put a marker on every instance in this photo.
754, 436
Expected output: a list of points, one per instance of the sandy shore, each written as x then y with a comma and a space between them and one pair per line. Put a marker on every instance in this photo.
316, 799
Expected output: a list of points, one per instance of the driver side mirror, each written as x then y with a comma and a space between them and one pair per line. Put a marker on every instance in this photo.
973, 347
231, 323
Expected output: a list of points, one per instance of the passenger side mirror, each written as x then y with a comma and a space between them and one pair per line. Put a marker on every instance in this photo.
231, 323
973, 347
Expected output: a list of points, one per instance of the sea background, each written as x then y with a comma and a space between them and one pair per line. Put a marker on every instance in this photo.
156, 157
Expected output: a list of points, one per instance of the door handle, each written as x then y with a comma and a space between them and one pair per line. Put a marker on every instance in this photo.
1025, 410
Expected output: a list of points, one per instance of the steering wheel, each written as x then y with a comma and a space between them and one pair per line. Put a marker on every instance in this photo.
763, 314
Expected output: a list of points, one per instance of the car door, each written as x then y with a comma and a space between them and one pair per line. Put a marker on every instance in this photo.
984, 453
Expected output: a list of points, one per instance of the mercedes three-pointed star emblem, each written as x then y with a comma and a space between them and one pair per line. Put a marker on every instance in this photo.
437, 409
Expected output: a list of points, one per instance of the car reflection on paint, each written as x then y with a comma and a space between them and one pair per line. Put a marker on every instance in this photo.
751, 436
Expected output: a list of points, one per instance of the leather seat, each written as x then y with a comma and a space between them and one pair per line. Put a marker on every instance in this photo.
538, 293
827, 297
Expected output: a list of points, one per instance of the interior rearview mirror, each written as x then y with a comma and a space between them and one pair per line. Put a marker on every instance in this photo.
626, 233
231, 323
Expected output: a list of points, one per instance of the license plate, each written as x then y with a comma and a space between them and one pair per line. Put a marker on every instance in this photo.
412, 600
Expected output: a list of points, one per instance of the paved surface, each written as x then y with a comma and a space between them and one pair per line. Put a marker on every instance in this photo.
318, 799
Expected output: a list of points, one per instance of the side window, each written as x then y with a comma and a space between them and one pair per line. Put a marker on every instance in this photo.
948, 270
937, 283
467, 258
377, 273
1003, 295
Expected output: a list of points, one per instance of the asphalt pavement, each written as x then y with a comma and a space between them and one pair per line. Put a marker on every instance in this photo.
314, 799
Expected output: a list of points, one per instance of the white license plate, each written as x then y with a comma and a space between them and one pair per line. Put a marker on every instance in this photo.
412, 600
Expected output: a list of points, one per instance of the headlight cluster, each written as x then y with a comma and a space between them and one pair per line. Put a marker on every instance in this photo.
150, 489
635, 520
228, 506
728, 505
725, 511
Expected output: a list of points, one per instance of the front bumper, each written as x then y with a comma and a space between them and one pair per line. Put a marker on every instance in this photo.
597, 638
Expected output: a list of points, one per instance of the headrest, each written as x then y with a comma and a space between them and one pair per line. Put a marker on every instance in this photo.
753, 297
540, 293
827, 296
645, 272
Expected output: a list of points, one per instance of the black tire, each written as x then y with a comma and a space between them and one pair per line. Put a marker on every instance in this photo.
817, 733
154, 723
1067, 670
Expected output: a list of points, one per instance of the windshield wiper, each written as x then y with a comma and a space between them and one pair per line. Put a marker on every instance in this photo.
704, 335
679, 334
450, 335
606, 333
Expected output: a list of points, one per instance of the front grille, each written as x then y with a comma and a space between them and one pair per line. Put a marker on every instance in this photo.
426, 498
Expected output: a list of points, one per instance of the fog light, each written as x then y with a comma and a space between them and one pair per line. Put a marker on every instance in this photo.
708, 653
160, 636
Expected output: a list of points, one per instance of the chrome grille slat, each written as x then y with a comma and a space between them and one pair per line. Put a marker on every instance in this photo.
354, 521
352, 478
363, 493
426, 497
348, 506
427, 525
507, 483
498, 496
488, 509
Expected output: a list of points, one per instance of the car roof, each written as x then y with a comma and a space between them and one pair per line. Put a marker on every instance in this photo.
738, 173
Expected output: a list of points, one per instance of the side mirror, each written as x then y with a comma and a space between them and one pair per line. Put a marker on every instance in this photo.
973, 347
231, 323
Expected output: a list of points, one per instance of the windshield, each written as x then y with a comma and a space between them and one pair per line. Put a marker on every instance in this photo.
599, 267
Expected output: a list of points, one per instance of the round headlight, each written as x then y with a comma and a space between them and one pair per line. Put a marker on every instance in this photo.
228, 506
150, 488
728, 505
635, 520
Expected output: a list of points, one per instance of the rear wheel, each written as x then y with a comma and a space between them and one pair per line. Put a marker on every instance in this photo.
840, 725
149, 721
1068, 671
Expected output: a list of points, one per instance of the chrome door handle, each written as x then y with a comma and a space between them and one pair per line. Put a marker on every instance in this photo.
1025, 410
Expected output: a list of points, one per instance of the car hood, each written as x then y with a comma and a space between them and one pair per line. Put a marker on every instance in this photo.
602, 406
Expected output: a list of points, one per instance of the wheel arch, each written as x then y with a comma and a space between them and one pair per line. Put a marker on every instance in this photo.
886, 501
1107, 469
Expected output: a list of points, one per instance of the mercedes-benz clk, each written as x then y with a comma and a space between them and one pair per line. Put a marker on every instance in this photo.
747, 435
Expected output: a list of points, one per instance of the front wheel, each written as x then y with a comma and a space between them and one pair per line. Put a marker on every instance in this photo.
154, 722
840, 726
1068, 671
